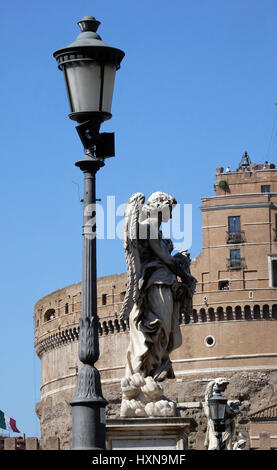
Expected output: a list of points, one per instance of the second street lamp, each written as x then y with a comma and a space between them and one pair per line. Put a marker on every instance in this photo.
89, 67
217, 406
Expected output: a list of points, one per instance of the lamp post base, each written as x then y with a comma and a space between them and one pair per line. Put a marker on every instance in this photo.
88, 411
88, 422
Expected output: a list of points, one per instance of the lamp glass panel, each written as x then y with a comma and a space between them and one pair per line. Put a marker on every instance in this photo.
84, 84
109, 76
217, 409
213, 410
221, 410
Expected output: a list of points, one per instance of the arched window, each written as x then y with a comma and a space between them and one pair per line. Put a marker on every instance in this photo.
195, 316
100, 329
257, 314
116, 325
110, 326
49, 314
247, 312
238, 314
274, 312
229, 313
220, 314
105, 328
266, 312
203, 315
211, 314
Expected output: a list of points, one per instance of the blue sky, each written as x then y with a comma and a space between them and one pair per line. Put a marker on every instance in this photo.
197, 88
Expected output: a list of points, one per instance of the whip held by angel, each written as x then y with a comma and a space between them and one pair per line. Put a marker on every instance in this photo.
159, 288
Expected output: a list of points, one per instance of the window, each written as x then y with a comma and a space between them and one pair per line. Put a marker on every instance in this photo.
235, 260
209, 341
223, 285
234, 224
104, 299
49, 315
122, 296
235, 235
66, 308
272, 265
235, 254
265, 188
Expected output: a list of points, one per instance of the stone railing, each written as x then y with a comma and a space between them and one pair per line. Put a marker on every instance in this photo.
29, 443
53, 443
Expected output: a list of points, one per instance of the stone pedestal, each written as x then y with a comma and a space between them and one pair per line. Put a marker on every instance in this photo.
147, 433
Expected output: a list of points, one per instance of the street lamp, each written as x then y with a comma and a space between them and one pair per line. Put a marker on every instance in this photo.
89, 66
217, 406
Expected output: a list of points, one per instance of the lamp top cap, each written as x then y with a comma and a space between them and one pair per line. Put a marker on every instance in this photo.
89, 23
89, 43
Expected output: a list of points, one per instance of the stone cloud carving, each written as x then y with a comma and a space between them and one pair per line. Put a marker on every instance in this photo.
159, 288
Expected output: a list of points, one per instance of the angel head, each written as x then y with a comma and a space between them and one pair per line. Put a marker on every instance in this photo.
160, 205
220, 382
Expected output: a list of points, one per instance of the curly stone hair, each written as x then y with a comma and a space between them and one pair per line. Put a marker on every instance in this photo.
157, 201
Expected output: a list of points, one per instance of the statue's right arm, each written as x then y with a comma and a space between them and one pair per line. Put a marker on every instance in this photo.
173, 263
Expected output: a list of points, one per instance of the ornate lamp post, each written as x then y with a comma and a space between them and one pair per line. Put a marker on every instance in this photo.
89, 66
217, 406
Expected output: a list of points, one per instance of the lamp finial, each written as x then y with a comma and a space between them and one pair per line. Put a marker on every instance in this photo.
89, 23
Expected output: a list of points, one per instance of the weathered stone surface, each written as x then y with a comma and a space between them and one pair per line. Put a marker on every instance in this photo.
199, 441
10, 443
160, 289
264, 441
32, 443
52, 443
251, 388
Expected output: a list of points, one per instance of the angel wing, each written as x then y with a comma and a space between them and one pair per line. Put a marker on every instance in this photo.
209, 390
131, 236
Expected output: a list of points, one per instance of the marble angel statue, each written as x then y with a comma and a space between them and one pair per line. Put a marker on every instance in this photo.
231, 412
159, 288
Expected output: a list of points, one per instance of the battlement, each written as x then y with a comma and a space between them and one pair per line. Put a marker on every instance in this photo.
248, 178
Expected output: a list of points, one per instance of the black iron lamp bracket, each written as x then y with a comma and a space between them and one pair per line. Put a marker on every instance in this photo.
98, 145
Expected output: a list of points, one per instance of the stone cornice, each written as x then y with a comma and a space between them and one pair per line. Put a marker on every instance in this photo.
67, 335
248, 205
56, 340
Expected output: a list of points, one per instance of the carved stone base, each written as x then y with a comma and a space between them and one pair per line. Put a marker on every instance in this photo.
142, 397
148, 433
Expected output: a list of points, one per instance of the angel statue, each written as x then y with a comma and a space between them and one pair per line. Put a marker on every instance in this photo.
159, 288
231, 411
